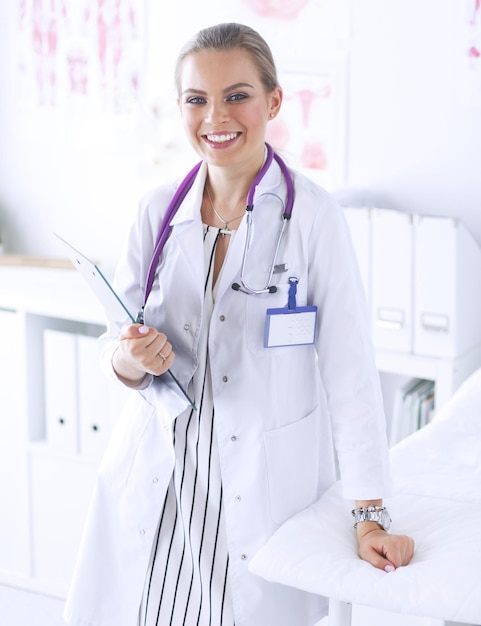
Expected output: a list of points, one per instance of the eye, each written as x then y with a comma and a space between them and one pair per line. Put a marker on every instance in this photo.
195, 100
237, 97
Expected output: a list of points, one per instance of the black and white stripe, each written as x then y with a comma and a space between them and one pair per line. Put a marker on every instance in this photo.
188, 578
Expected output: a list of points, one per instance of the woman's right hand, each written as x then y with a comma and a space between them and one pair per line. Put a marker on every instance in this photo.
142, 350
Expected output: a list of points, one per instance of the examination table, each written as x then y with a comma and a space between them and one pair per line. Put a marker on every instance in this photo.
436, 500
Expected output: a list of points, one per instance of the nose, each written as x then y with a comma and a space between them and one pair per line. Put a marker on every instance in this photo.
217, 113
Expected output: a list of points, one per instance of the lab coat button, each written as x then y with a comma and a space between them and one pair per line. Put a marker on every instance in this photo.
225, 379
155, 479
142, 531
187, 326
238, 498
244, 557
222, 318
233, 438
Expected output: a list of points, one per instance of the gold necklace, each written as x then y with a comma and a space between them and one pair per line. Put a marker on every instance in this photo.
225, 230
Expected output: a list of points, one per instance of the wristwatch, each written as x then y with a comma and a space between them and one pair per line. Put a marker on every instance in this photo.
371, 513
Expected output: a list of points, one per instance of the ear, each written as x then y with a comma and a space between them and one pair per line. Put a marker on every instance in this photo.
275, 102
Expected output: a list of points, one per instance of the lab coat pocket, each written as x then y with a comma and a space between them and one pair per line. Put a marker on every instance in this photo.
292, 453
122, 449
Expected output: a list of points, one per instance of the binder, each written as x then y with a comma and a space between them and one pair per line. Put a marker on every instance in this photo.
60, 358
447, 288
359, 222
412, 408
391, 280
93, 400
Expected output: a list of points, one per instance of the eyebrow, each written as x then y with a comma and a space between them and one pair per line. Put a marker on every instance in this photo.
226, 90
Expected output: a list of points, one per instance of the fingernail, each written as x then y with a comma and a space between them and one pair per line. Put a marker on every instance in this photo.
143, 330
389, 568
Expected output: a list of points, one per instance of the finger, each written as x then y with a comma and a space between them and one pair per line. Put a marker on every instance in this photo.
400, 550
375, 557
161, 363
166, 354
133, 331
165, 350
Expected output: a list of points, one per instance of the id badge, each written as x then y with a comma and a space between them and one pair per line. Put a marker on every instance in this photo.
290, 327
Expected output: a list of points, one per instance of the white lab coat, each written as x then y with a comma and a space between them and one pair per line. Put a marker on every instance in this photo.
278, 410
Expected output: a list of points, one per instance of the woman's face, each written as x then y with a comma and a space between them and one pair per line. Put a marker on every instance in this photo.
225, 107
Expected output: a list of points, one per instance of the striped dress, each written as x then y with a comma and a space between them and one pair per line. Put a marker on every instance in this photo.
187, 581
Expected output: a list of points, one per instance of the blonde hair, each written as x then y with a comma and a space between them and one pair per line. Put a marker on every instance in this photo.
232, 36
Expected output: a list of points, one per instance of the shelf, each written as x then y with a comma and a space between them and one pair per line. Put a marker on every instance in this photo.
55, 293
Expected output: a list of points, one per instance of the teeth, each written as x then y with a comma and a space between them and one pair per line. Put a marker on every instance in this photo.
221, 138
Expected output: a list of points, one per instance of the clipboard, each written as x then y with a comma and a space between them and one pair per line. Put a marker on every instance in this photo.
99, 284
104, 291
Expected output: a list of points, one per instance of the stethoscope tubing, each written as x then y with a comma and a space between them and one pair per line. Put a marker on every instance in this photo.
244, 287
178, 198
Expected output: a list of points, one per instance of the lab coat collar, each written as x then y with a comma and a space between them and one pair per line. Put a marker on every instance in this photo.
190, 208
189, 228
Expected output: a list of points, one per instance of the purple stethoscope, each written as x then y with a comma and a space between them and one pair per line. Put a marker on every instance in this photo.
178, 198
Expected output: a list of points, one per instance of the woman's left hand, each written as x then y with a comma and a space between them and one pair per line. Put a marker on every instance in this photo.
383, 550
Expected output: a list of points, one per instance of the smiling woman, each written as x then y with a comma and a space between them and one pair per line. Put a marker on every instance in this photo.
228, 117
186, 497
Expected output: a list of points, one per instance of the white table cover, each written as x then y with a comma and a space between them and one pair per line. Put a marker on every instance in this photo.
436, 500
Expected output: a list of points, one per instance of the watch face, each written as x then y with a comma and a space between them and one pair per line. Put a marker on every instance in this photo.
385, 519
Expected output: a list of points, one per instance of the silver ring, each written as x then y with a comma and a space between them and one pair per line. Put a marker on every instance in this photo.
164, 358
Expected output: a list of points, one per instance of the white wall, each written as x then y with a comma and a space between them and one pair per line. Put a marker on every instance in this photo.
414, 135
413, 142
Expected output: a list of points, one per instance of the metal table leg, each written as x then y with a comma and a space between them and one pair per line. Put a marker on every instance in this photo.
339, 613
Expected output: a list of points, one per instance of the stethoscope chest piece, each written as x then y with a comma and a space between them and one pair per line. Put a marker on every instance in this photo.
286, 216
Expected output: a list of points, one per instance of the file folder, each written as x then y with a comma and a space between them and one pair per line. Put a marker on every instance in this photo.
60, 366
447, 287
93, 400
392, 269
359, 222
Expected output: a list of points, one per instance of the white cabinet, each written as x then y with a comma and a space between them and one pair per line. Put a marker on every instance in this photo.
14, 528
57, 408
422, 278
61, 487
